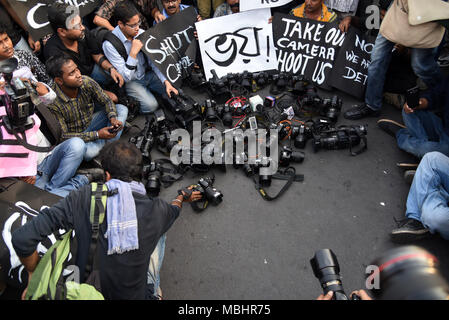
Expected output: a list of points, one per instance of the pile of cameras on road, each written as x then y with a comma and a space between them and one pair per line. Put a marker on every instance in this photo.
289, 117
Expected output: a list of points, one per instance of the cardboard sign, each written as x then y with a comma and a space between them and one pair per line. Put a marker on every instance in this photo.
350, 71
237, 42
33, 13
307, 47
171, 45
246, 5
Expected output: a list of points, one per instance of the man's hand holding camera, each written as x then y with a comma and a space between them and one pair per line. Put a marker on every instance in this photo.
423, 104
194, 196
359, 293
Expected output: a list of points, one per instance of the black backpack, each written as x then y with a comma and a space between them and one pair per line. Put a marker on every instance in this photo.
101, 34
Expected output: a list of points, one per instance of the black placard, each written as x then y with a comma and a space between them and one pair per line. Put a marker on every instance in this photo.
350, 71
19, 204
307, 47
33, 13
171, 45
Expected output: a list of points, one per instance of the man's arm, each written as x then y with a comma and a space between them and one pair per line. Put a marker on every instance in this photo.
102, 22
98, 94
104, 14
103, 62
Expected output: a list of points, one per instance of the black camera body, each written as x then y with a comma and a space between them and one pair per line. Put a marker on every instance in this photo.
206, 187
301, 134
331, 108
298, 85
342, 137
16, 99
280, 82
287, 155
261, 79
311, 98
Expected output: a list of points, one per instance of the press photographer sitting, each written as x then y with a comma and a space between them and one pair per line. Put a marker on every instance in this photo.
29, 157
123, 260
141, 77
77, 96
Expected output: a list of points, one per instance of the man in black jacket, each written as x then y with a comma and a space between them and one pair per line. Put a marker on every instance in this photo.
123, 260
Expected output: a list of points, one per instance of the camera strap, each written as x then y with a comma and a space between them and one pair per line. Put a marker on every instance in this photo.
19, 141
288, 174
168, 180
363, 139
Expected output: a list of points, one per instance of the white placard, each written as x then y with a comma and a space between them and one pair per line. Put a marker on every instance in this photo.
246, 5
237, 42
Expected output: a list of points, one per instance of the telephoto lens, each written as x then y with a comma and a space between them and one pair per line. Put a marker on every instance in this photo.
408, 273
153, 185
327, 270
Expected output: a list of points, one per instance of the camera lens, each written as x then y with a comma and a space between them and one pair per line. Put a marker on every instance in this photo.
327, 270
409, 273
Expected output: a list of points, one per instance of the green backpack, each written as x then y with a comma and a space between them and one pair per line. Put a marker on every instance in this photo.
47, 281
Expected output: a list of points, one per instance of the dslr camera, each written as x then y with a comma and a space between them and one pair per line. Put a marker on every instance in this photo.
331, 108
152, 175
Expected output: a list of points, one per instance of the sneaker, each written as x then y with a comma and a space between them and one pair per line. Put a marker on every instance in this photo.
360, 111
390, 126
409, 175
93, 174
395, 99
410, 230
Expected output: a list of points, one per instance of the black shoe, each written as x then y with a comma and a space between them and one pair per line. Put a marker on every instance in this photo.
410, 230
409, 175
93, 174
360, 111
389, 126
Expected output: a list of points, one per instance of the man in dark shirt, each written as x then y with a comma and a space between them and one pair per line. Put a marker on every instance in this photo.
77, 97
123, 272
72, 38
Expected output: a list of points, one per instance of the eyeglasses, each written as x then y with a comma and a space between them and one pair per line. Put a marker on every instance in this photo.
133, 26
168, 1
77, 26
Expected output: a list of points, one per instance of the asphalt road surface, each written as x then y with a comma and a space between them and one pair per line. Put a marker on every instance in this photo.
248, 248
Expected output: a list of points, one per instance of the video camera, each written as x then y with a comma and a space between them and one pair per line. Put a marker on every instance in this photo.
16, 99
183, 107
342, 137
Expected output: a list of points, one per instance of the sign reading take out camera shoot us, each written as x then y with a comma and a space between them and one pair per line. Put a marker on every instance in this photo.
33, 13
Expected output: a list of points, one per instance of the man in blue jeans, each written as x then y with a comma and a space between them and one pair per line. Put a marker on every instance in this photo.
427, 202
423, 63
140, 81
77, 96
423, 131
